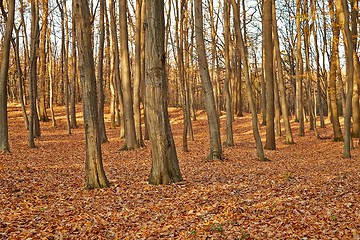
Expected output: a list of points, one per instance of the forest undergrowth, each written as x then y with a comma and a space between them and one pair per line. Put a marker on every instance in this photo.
307, 190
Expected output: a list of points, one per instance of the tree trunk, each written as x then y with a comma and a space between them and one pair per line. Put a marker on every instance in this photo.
335, 25
33, 70
100, 72
229, 108
284, 107
137, 75
254, 118
344, 17
130, 135
165, 167
20, 76
212, 115
117, 81
269, 75
4, 67
299, 72
94, 172
42, 57
73, 77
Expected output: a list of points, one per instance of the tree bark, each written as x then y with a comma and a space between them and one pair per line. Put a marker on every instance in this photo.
4, 67
335, 25
229, 108
165, 167
100, 74
249, 91
129, 122
42, 56
344, 17
137, 75
73, 77
284, 107
34, 44
269, 75
94, 172
299, 72
212, 115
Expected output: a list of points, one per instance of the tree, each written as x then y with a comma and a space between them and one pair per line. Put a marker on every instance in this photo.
42, 56
34, 45
212, 115
229, 108
269, 74
94, 172
342, 11
335, 26
254, 118
284, 108
299, 71
129, 122
137, 75
4, 67
100, 78
165, 167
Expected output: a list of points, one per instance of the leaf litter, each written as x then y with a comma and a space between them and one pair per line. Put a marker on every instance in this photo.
306, 191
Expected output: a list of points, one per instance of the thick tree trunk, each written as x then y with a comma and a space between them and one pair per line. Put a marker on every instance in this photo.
212, 115
94, 172
165, 167
4, 67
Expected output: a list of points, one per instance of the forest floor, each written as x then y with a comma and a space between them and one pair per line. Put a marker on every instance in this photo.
306, 191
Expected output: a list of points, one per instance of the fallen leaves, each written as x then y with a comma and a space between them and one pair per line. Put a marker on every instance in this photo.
306, 191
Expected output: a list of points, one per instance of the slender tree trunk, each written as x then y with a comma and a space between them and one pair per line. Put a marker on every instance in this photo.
318, 98
117, 85
229, 108
254, 117
33, 70
130, 135
51, 81
73, 77
212, 115
165, 167
269, 75
284, 107
142, 83
355, 98
214, 78
333, 73
20, 77
65, 61
299, 72
4, 67
42, 56
100, 72
344, 17
94, 172
137, 75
